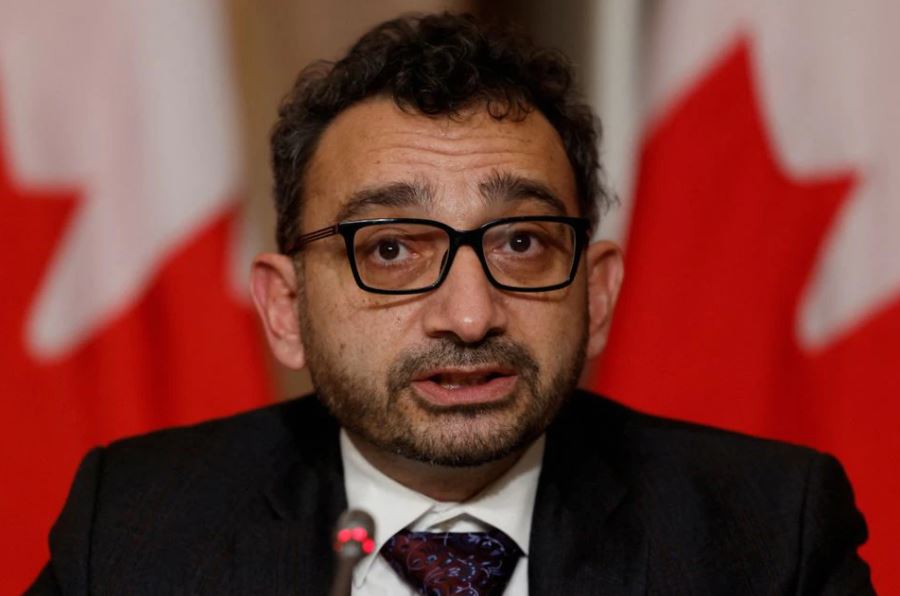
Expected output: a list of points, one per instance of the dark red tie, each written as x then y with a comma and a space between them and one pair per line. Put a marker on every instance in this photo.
468, 563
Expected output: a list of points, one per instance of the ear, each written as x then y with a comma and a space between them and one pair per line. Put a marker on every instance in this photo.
604, 270
273, 285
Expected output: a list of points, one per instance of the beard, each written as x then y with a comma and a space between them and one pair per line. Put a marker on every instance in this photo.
394, 418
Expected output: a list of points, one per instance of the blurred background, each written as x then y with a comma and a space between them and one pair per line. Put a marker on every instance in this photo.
755, 149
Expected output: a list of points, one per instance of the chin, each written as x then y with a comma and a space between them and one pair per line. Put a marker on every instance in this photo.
466, 438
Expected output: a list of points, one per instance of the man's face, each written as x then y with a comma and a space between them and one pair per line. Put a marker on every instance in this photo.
466, 373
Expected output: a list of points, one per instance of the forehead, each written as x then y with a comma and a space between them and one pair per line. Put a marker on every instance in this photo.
375, 144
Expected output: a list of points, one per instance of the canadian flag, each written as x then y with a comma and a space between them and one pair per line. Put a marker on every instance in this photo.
120, 309
762, 286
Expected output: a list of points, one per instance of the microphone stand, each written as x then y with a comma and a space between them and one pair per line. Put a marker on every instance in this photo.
353, 540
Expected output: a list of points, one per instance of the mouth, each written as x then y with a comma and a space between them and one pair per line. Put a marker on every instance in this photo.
465, 386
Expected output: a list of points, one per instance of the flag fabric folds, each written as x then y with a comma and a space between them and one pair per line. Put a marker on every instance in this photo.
121, 309
762, 285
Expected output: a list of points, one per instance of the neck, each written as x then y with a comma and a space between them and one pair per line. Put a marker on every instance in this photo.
442, 483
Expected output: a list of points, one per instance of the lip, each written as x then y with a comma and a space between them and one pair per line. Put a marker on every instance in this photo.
493, 390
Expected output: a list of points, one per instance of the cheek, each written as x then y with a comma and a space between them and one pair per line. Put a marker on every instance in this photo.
552, 330
361, 330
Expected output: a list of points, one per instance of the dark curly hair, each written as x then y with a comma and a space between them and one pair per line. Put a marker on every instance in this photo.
435, 65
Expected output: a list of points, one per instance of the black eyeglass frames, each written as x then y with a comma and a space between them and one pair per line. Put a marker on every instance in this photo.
532, 253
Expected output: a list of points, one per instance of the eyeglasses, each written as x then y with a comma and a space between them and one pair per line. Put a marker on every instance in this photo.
401, 255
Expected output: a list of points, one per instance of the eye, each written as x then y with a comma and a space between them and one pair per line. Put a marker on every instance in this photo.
520, 242
389, 249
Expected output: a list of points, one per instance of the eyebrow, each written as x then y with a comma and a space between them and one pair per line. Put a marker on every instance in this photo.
396, 194
499, 187
503, 186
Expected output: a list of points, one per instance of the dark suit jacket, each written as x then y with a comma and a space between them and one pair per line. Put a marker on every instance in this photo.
627, 504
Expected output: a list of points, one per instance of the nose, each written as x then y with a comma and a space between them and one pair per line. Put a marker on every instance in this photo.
466, 307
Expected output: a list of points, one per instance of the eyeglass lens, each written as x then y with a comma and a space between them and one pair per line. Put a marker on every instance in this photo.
405, 256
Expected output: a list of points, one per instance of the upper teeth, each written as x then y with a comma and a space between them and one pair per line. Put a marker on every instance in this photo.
456, 380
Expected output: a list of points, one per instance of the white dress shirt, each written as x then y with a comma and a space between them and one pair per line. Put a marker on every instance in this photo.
506, 504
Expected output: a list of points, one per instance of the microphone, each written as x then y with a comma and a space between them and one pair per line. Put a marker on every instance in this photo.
353, 540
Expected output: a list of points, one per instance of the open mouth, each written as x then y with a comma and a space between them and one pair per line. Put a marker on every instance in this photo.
458, 386
456, 380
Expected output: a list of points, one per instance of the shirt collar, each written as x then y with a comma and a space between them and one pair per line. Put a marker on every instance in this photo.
506, 504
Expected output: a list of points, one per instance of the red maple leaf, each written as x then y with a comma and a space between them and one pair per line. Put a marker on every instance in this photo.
31, 222
721, 246
185, 351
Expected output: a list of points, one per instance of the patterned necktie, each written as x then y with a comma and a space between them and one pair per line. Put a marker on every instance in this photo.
467, 563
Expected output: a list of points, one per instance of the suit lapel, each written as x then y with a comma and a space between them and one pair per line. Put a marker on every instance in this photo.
288, 551
586, 537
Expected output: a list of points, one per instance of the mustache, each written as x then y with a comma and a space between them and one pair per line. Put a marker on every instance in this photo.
446, 352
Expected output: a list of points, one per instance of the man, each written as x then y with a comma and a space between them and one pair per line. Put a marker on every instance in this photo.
436, 190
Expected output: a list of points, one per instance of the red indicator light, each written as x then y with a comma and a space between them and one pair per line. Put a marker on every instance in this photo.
368, 545
343, 535
359, 534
